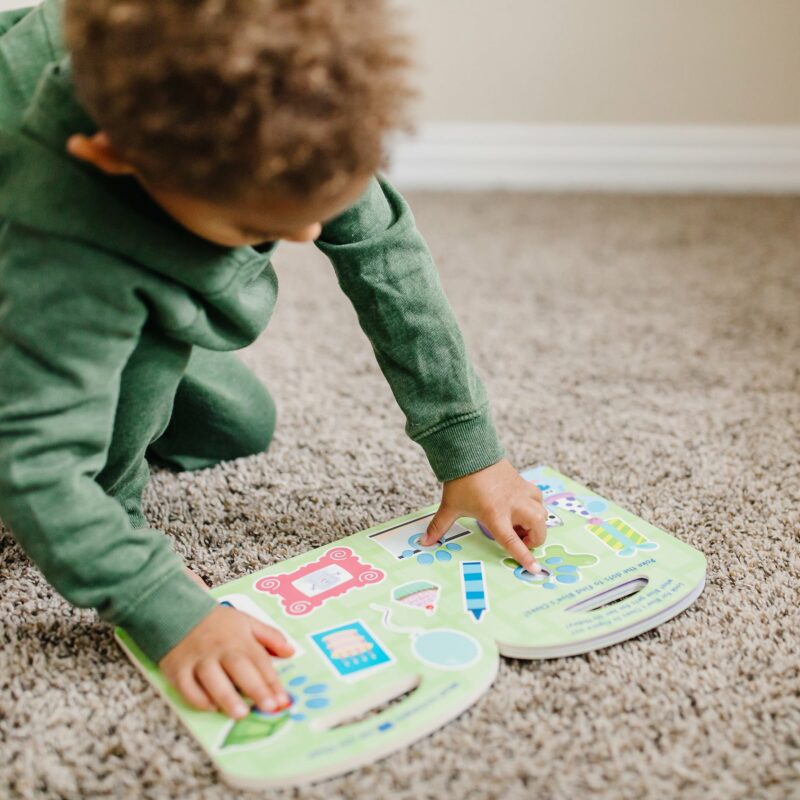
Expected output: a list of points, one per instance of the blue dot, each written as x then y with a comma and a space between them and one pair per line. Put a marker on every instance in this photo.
443, 555
317, 702
548, 586
425, 558
384, 726
566, 568
453, 546
298, 717
406, 554
553, 560
298, 680
596, 505
317, 688
568, 578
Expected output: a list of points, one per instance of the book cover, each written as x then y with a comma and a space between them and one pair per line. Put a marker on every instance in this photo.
393, 640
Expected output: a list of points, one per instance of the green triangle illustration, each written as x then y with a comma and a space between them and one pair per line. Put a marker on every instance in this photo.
253, 728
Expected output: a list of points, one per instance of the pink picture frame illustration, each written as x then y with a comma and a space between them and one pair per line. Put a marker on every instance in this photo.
305, 589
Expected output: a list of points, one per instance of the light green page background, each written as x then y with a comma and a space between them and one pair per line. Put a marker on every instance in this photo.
388, 640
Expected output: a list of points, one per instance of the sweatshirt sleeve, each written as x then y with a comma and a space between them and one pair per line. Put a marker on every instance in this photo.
383, 265
68, 324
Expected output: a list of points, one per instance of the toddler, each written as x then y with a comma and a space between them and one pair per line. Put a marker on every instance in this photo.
152, 154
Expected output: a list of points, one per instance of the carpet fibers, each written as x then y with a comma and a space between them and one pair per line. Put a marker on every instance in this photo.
647, 346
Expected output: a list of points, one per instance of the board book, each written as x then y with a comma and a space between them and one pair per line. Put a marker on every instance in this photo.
393, 640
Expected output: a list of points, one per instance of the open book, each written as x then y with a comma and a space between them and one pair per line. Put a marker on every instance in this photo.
393, 640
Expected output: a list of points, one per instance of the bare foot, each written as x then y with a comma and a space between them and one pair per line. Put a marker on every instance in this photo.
196, 578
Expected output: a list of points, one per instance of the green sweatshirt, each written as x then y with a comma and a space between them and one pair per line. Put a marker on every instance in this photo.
94, 275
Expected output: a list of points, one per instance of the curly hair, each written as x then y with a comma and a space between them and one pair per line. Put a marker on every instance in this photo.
228, 98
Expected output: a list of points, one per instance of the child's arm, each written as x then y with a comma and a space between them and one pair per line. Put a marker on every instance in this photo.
385, 267
67, 326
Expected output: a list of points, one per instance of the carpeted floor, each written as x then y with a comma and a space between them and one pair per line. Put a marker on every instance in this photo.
650, 347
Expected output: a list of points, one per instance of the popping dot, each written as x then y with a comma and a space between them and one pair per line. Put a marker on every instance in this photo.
425, 558
300, 679
596, 505
568, 578
453, 546
299, 717
548, 586
317, 702
553, 560
317, 688
406, 554
443, 555
563, 568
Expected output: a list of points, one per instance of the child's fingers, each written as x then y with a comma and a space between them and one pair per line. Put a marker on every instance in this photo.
535, 492
218, 686
504, 533
265, 667
524, 534
272, 639
186, 684
244, 673
442, 521
533, 518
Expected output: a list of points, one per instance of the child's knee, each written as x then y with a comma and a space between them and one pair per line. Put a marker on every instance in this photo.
202, 434
256, 426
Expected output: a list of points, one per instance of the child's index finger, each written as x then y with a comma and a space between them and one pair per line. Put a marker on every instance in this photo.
513, 545
510, 541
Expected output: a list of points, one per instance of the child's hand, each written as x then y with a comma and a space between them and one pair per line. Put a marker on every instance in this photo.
225, 651
509, 506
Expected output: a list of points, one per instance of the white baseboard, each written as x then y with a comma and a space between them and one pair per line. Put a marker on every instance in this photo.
639, 158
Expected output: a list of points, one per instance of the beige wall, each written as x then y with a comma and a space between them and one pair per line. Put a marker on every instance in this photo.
605, 61
608, 61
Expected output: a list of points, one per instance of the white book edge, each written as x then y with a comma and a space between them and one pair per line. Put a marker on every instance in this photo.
606, 640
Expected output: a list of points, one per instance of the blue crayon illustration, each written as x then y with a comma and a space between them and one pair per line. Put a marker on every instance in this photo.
476, 598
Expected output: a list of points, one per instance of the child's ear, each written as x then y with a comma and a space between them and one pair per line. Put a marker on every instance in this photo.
98, 150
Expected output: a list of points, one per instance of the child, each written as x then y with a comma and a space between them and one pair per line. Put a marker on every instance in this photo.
151, 156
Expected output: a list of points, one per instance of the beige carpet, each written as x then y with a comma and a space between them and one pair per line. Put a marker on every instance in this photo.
648, 346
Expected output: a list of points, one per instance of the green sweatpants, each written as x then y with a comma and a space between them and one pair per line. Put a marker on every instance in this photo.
197, 407
221, 411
